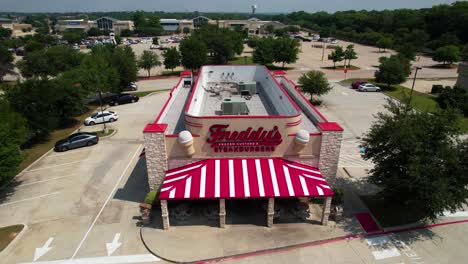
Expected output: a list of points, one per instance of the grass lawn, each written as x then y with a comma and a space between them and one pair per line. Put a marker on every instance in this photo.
170, 73
145, 93
101, 133
389, 214
8, 233
242, 60
33, 153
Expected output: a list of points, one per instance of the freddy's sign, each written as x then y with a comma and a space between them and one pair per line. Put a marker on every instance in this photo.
249, 140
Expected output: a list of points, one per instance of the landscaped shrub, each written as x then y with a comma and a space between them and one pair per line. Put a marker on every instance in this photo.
152, 197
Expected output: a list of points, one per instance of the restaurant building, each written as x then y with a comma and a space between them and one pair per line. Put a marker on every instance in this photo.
240, 132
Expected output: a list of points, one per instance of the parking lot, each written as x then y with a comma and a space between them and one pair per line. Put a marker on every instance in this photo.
82, 199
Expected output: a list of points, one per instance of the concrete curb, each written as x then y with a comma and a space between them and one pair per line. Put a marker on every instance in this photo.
398, 229
110, 135
15, 240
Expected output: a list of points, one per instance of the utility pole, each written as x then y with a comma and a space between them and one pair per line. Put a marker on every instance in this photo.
412, 87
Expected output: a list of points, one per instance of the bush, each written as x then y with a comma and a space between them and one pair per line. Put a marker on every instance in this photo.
437, 88
152, 198
316, 101
338, 198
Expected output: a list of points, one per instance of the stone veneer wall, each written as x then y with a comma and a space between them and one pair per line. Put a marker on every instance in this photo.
330, 153
156, 158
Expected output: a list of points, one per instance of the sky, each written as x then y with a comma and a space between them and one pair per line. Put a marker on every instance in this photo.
264, 6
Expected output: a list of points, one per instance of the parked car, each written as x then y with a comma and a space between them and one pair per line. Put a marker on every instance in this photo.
131, 87
124, 99
368, 87
305, 39
101, 117
356, 85
77, 140
155, 46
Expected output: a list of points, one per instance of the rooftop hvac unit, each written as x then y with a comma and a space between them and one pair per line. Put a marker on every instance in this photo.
248, 86
231, 106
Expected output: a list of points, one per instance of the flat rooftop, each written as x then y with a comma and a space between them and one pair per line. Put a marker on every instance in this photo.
239, 90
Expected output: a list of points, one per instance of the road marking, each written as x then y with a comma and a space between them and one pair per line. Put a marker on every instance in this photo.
58, 165
28, 199
386, 253
114, 245
142, 258
39, 252
41, 181
377, 241
456, 214
105, 203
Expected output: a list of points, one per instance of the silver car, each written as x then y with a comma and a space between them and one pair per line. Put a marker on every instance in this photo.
368, 87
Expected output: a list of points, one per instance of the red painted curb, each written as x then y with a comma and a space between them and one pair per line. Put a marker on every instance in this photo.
157, 78
317, 243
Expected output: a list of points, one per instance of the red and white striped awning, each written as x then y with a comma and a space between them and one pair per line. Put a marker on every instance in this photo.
243, 178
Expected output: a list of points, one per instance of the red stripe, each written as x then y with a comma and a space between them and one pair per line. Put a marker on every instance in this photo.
196, 179
224, 178
253, 182
267, 182
239, 178
210, 178
282, 186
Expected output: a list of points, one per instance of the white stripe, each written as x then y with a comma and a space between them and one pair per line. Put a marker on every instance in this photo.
188, 185
273, 177
217, 175
325, 186
319, 190
143, 258
28, 199
259, 178
300, 168
172, 193
304, 185
245, 175
231, 179
314, 177
165, 189
175, 179
202, 182
182, 170
50, 179
58, 165
386, 253
288, 181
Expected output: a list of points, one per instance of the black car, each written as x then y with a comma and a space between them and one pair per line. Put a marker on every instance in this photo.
124, 99
303, 38
76, 140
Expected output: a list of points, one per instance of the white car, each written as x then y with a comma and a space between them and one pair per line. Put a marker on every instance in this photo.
101, 117
368, 87
155, 46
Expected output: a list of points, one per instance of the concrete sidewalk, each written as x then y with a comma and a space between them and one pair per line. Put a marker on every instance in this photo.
194, 243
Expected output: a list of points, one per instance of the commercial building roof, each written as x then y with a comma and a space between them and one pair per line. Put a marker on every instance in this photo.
238, 178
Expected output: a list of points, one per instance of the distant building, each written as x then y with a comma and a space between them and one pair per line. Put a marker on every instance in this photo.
103, 23
200, 21
6, 23
253, 25
16, 28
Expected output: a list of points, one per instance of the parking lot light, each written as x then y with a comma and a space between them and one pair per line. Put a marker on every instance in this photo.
412, 87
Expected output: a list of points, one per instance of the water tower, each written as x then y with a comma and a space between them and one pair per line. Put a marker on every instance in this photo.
254, 8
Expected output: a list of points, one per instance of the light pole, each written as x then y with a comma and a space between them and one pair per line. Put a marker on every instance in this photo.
412, 87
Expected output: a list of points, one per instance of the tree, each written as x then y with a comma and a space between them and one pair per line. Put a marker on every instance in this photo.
349, 54
293, 29
5, 33
6, 62
74, 36
408, 51
13, 133
124, 61
336, 55
285, 50
126, 33
384, 43
447, 54
456, 98
186, 30
414, 152
314, 83
148, 60
194, 53
155, 41
391, 71
263, 52
94, 31
171, 58
223, 43
33, 45
280, 32
252, 42
270, 29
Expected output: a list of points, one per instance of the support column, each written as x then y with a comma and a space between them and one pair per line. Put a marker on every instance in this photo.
326, 210
165, 214
271, 212
330, 149
155, 152
222, 213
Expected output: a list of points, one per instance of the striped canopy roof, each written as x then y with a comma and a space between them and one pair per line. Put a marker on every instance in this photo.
233, 178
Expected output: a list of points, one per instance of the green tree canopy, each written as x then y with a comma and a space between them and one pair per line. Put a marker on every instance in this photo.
314, 83
384, 43
263, 52
285, 50
447, 54
350, 54
171, 58
148, 60
194, 53
456, 98
418, 162
336, 55
6, 62
392, 70
186, 30
5, 33
74, 36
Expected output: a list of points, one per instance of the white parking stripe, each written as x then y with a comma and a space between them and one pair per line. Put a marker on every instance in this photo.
29, 199
41, 181
107, 201
143, 258
58, 165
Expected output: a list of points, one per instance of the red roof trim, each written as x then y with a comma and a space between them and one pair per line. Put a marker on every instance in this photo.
155, 128
167, 101
185, 73
330, 126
